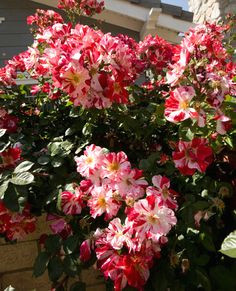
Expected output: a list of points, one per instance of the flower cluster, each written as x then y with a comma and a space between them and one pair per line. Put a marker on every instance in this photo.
125, 249
8, 121
15, 225
156, 53
191, 156
43, 19
93, 68
82, 7
203, 77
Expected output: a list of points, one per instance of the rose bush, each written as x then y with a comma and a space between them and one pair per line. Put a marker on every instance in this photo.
136, 180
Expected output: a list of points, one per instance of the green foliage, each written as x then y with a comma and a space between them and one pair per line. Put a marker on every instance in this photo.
40, 264
228, 246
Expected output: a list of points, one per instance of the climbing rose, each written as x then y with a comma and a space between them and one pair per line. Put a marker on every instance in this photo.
102, 201
132, 184
191, 156
71, 203
84, 7
178, 104
114, 165
126, 248
162, 189
16, 225
151, 219
90, 162
118, 235
156, 53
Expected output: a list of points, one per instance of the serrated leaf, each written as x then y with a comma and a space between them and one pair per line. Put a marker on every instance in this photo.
56, 162
53, 243
23, 167
62, 148
54, 148
3, 146
3, 188
70, 267
11, 199
2, 132
40, 264
43, 160
189, 134
205, 282
207, 242
69, 131
223, 277
228, 246
87, 129
55, 268
25, 178
70, 244
79, 149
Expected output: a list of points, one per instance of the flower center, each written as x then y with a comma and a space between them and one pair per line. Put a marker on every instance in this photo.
113, 167
76, 78
153, 219
102, 202
117, 87
165, 192
184, 104
89, 160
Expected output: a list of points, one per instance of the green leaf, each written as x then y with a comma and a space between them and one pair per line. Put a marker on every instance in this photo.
144, 164
69, 131
79, 149
53, 243
200, 205
55, 268
2, 132
23, 167
70, 267
11, 199
40, 264
223, 278
207, 242
3, 146
71, 244
189, 134
229, 142
25, 178
228, 246
54, 148
87, 129
202, 260
205, 282
78, 286
3, 188
43, 160
61, 148
56, 162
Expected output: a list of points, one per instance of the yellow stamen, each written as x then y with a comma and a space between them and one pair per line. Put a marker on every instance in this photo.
113, 167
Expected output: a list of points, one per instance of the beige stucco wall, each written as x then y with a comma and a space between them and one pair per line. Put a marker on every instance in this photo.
208, 10
16, 265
